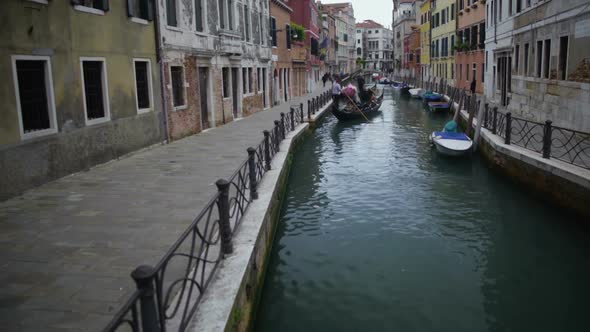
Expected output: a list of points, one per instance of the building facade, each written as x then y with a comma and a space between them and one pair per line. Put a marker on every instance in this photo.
306, 14
470, 44
217, 61
345, 12
425, 40
404, 17
537, 60
377, 43
74, 97
442, 54
281, 43
412, 53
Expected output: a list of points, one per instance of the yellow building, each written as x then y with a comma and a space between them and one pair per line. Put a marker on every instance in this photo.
443, 22
425, 39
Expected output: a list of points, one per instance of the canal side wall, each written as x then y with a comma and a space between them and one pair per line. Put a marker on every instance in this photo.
230, 302
557, 182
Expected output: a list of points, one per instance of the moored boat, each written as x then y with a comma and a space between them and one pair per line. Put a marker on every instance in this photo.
431, 96
416, 93
451, 143
438, 106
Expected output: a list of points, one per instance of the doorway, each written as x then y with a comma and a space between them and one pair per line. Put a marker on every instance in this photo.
234, 88
204, 96
264, 87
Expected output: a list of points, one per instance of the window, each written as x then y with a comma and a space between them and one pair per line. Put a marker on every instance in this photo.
474, 37
199, 15
261, 29
467, 36
452, 11
547, 59
273, 28
288, 36
467, 72
516, 58
376, 56
33, 85
500, 11
444, 17
482, 73
247, 23
525, 69
100, 6
94, 81
244, 80
461, 5
142, 9
143, 84
452, 44
359, 51
518, 6
177, 79
250, 81
171, 13
482, 36
539, 51
510, 7
460, 71
225, 78
563, 55
221, 11
259, 79
230, 15
370, 32
474, 76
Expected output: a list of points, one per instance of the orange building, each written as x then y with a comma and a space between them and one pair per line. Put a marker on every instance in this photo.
470, 45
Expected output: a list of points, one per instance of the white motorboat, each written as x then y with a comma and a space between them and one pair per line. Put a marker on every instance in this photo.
416, 93
451, 143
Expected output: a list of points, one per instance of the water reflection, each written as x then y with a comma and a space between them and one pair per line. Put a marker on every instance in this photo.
378, 232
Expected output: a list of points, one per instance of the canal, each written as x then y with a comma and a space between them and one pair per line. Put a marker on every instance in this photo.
379, 233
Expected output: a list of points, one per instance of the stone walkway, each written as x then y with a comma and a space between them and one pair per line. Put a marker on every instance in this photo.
67, 248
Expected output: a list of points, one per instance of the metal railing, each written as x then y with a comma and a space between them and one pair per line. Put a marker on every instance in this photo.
168, 294
550, 141
564, 144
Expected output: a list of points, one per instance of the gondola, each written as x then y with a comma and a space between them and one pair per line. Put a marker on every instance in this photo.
352, 113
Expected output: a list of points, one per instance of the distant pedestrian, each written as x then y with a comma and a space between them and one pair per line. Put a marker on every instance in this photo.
472, 88
324, 79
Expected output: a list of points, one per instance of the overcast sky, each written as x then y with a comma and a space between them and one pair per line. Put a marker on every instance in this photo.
376, 10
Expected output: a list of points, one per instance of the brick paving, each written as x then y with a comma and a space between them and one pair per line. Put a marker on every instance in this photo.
67, 248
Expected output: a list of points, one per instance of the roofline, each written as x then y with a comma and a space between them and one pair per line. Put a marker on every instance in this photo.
282, 4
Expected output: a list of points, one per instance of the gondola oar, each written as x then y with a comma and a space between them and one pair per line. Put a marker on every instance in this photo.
358, 109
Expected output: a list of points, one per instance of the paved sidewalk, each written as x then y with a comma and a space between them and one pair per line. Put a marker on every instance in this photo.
67, 248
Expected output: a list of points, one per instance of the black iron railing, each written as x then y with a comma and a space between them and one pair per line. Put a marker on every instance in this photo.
167, 295
567, 145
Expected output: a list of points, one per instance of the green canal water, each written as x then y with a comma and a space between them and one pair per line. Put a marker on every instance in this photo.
379, 233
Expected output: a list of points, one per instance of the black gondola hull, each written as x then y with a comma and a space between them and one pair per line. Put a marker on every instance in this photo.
369, 110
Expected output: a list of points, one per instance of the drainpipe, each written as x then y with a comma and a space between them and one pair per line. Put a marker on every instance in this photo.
160, 60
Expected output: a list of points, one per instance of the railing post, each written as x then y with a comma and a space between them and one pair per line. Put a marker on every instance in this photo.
508, 128
292, 110
267, 148
495, 120
277, 133
252, 171
224, 226
547, 131
301, 112
485, 115
309, 109
283, 125
144, 281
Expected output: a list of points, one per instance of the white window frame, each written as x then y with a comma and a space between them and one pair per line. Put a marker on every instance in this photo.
105, 89
150, 86
89, 10
184, 86
50, 97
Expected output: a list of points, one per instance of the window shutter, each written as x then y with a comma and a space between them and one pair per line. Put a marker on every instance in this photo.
104, 5
130, 12
150, 10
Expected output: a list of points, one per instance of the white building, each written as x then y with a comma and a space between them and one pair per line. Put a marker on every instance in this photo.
537, 60
377, 45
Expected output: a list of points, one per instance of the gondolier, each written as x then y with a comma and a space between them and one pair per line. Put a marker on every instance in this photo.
336, 89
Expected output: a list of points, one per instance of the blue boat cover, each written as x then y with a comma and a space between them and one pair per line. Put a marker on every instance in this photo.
451, 135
